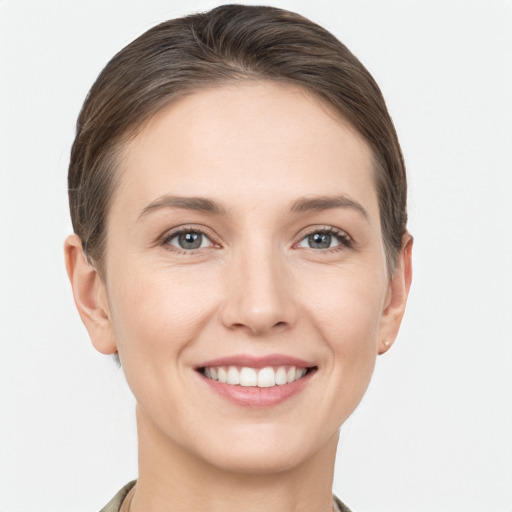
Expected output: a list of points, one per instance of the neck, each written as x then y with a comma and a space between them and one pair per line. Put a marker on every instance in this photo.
171, 479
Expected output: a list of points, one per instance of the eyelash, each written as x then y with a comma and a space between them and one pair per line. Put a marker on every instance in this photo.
345, 241
183, 230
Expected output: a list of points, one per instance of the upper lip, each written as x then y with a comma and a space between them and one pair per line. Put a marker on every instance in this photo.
257, 361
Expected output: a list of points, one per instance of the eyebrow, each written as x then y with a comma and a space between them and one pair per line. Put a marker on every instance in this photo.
306, 204
199, 204
302, 205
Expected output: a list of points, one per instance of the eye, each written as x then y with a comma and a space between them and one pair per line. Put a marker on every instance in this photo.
325, 239
188, 240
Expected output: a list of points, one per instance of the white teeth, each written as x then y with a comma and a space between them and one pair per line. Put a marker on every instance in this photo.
264, 378
233, 376
221, 374
281, 376
248, 377
300, 373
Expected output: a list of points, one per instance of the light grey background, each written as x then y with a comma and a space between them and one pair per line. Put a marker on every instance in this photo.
435, 429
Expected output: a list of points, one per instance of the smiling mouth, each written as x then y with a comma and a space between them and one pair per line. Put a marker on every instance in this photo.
266, 377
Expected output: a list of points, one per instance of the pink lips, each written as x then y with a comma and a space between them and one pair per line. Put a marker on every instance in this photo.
258, 362
254, 396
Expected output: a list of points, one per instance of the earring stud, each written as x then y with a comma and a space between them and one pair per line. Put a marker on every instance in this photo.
387, 343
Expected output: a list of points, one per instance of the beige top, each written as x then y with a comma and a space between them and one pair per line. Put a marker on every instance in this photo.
114, 505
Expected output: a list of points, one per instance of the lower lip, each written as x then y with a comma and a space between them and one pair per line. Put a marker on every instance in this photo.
258, 397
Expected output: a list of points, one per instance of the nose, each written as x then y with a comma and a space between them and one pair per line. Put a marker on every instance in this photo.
259, 293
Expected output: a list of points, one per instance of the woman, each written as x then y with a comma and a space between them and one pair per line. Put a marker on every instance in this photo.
238, 197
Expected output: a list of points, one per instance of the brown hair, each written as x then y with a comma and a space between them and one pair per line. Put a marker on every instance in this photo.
230, 42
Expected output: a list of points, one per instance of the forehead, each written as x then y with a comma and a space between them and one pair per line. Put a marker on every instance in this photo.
246, 143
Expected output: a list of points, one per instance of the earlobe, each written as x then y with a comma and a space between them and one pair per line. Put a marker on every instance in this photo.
396, 298
90, 296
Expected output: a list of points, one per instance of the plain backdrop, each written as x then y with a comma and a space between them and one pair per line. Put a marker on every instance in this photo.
434, 432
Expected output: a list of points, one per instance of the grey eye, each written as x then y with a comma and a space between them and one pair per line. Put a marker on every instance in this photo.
320, 240
189, 240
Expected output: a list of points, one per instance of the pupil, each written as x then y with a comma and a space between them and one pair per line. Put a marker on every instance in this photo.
319, 241
190, 240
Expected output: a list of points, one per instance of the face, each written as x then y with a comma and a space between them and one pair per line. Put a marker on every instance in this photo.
246, 288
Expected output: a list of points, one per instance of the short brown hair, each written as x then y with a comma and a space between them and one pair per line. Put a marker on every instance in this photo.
228, 43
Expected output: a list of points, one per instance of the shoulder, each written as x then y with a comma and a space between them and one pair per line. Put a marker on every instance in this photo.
115, 503
341, 507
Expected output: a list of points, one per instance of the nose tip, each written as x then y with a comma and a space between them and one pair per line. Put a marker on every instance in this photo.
260, 299
257, 322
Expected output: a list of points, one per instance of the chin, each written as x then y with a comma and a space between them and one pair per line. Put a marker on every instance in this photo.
258, 461
267, 450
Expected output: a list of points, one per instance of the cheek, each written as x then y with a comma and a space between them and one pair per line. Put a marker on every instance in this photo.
348, 306
155, 315
347, 315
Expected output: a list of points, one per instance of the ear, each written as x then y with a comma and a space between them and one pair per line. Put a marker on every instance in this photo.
90, 296
396, 298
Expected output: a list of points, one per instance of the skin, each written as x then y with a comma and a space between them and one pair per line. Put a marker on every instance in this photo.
255, 287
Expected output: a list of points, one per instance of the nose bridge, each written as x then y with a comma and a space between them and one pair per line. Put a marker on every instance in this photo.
259, 291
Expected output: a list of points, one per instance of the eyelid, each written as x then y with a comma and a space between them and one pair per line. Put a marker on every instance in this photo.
185, 228
345, 239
